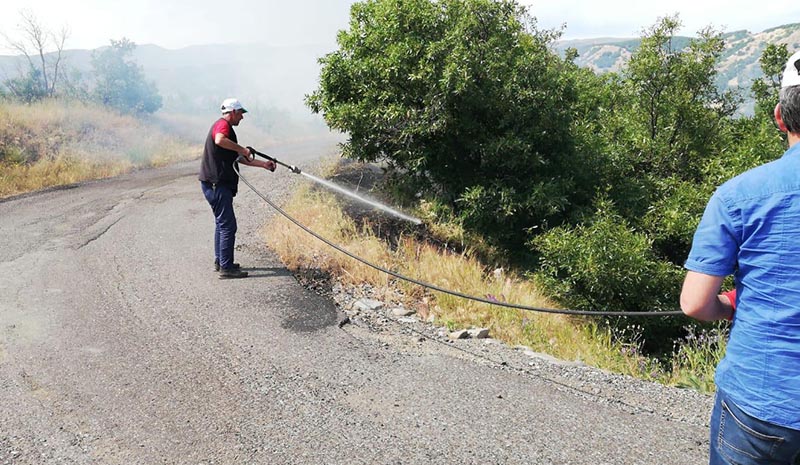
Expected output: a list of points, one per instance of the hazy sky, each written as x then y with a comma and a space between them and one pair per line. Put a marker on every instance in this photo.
179, 23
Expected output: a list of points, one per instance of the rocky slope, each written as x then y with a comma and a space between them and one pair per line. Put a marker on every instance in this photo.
738, 65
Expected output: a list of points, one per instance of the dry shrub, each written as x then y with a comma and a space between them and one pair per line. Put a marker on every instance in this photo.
320, 212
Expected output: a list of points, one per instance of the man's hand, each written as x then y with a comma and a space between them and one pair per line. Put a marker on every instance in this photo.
270, 165
245, 153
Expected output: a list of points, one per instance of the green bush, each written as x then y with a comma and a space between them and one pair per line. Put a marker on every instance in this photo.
673, 217
12, 155
29, 87
605, 265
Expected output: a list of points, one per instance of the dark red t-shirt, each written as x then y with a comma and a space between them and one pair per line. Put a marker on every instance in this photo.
223, 127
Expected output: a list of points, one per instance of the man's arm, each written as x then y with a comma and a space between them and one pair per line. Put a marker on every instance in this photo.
246, 158
700, 298
267, 165
223, 141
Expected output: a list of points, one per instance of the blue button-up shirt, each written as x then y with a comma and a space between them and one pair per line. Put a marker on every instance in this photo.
751, 228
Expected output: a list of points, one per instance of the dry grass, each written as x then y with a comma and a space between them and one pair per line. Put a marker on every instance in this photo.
55, 143
563, 337
20, 178
321, 212
568, 338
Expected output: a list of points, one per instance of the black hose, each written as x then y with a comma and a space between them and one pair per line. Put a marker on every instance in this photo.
448, 291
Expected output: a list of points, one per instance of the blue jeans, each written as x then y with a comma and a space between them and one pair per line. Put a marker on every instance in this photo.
739, 439
220, 197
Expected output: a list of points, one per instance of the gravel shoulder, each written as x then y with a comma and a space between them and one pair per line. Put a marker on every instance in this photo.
416, 336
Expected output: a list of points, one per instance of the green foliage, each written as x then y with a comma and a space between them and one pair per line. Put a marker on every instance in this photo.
606, 265
675, 109
674, 215
752, 141
653, 130
765, 90
603, 177
10, 154
120, 83
27, 88
662, 138
463, 95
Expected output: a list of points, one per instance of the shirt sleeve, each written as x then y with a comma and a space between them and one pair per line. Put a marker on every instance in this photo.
715, 247
221, 127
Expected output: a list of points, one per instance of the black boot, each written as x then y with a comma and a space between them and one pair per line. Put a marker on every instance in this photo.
232, 273
235, 266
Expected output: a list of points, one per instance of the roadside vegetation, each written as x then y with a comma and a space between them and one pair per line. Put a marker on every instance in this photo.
617, 348
56, 142
58, 127
589, 187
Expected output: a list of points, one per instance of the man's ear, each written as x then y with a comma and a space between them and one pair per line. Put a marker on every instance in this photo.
779, 119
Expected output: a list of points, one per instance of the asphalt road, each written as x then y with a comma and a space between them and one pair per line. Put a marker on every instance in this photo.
119, 345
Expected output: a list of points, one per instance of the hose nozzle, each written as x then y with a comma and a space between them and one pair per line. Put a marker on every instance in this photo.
292, 168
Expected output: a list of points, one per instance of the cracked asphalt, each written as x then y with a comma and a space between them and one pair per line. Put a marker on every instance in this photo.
119, 345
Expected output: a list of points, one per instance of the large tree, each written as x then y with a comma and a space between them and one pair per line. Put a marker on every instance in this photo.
120, 82
461, 95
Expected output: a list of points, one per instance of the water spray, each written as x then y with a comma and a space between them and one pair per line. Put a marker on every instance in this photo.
338, 189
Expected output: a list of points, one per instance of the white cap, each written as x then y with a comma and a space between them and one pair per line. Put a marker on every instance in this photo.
230, 104
791, 75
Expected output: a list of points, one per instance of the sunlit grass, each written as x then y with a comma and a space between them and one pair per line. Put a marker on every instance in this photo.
696, 357
564, 337
54, 143
19, 178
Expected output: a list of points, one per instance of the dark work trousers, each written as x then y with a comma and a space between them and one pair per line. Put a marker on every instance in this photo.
220, 197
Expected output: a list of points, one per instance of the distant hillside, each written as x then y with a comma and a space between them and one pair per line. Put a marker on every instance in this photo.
271, 77
197, 78
738, 65
274, 80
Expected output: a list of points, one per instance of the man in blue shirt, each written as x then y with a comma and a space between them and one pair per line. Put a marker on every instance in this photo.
751, 229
